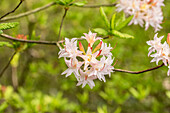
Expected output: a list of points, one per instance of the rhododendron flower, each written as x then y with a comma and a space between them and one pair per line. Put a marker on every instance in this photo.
161, 51
88, 65
144, 11
91, 37
70, 48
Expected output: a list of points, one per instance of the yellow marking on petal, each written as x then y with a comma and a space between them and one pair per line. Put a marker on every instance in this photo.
89, 57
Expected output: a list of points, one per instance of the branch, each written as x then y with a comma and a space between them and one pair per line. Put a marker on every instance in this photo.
29, 12
55, 43
49, 5
12, 10
4, 69
28, 41
97, 6
61, 25
138, 72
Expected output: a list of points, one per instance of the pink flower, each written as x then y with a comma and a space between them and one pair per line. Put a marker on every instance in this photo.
73, 67
106, 50
144, 11
91, 37
85, 79
161, 51
87, 65
70, 49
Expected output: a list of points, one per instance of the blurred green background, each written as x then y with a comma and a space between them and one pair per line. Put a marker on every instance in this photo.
42, 88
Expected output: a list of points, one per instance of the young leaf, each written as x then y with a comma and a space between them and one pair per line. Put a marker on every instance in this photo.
4, 26
100, 31
15, 60
124, 23
6, 44
112, 22
121, 35
80, 4
104, 17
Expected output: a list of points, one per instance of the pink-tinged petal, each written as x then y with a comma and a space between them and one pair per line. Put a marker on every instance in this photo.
91, 37
168, 73
67, 72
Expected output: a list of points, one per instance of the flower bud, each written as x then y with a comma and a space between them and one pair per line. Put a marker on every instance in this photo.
168, 39
81, 47
97, 47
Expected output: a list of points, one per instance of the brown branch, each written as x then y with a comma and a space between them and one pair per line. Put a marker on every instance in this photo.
49, 5
29, 12
55, 43
12, 10
28, 41
61, 25
4, 69
138, 72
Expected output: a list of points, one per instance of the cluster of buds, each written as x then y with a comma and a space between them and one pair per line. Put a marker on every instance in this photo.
148, 11
20, 36
162, 51
87, 66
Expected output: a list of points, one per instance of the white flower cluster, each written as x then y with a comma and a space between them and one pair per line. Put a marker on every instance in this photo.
95, 63
148, 11
162, 50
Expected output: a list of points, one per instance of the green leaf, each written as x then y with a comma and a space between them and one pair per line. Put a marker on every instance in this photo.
6, 44
168, 94
1, 31
119, 19
100, 31
102, 109
121, 35
4, 26
80, 4
112, 22
124, 23
3, 106
134, 92
104, 17
118, 110
61, 2
69, 1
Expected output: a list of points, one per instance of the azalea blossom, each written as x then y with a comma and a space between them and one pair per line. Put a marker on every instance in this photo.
85, 79
161, 51
94, 63
146, 12
73, 67
70, 49
91, 37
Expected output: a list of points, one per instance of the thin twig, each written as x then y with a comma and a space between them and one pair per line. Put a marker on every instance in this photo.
4, 69
12, 10
49, 5
29, 12
98, 6
28, 41
61, 25
55, 43
138, 72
